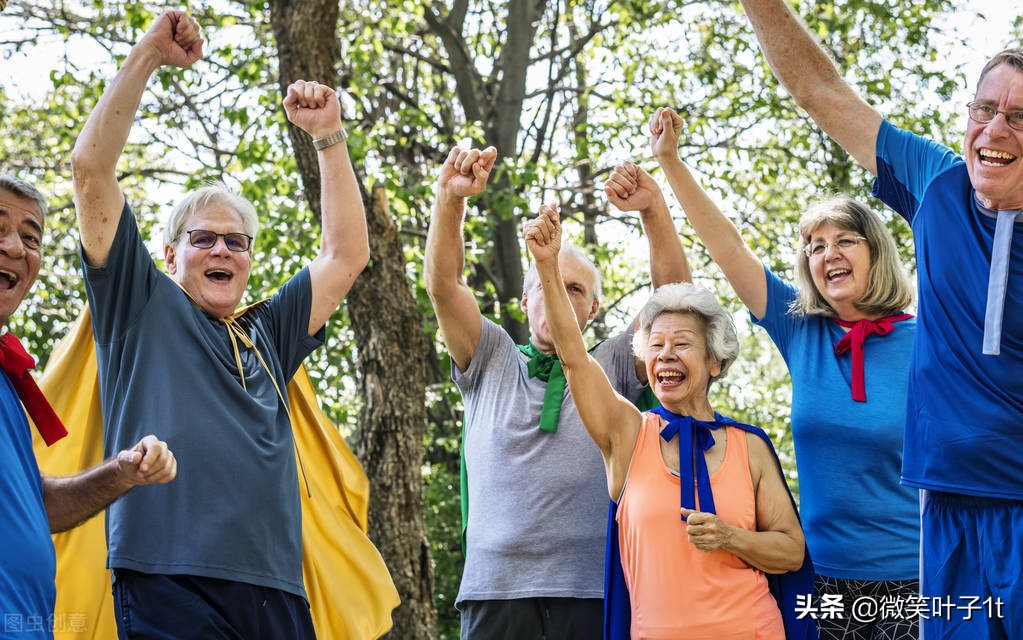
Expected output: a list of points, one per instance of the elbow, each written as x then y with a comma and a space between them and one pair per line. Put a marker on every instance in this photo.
792, 561
84, 167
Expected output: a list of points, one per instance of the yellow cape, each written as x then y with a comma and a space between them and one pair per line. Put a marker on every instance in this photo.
350, 591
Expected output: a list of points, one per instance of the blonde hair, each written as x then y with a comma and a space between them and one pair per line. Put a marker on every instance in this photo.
888, 287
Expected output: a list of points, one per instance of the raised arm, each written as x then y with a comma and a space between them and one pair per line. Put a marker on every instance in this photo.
463, 175
778, 544
344, 241
71, 500
631, 189
612, 421
173, 40
742, 268
806, 70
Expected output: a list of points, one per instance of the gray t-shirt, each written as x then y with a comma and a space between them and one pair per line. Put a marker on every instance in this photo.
167, 368
537, 501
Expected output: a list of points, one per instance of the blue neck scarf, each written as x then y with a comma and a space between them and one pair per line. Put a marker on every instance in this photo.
694, 437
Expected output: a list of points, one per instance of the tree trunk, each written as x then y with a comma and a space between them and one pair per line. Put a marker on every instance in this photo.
386, 323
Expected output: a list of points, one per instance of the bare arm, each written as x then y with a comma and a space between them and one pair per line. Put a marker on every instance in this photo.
742, 268
344, 240
777, 545
464, 174
173, 39
71, 500
631, 189
611, 420
809, 74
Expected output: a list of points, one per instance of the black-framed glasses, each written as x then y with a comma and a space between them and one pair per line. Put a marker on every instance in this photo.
819, 247
205, 239
984, 113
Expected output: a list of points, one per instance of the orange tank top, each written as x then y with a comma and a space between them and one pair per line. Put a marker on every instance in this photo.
678, 591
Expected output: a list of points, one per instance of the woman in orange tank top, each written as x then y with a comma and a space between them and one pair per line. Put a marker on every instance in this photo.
697, 538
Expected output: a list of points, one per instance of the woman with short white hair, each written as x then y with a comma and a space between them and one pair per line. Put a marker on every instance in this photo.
703, 510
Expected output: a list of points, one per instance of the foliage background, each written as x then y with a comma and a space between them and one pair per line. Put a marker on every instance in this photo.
563, 88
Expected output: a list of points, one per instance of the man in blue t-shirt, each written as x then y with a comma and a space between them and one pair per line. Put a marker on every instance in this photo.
31, 505
172, 350
964, 431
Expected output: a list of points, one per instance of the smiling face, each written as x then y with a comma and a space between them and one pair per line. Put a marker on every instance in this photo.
840, 275
21, 239
216, 277
678, 363
994, 151
580, 283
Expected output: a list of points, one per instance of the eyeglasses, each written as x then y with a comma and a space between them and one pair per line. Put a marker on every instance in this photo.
204, 239
984, 113
819, 247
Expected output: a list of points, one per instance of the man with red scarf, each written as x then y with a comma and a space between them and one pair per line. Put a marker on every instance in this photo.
31, 505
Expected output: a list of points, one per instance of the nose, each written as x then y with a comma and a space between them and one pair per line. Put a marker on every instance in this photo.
999, 125
220, 247
666, 353
831, 251
11, 244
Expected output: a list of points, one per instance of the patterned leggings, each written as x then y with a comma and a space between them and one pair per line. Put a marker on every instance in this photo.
888, 623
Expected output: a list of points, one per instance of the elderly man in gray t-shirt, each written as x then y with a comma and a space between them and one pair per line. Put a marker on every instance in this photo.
537, 497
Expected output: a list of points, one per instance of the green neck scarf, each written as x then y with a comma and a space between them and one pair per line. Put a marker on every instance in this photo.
547, 367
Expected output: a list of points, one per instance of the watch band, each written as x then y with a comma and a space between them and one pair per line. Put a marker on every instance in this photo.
330, 140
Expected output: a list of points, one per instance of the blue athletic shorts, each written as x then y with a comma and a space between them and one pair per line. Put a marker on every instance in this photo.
972, 559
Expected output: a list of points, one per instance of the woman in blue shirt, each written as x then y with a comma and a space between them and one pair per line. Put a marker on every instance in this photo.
846, 340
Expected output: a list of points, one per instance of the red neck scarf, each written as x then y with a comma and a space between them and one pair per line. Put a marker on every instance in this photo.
15, 362
858, 332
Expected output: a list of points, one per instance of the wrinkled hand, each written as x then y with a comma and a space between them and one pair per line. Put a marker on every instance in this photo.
148, 462
175, 37
630, 188
543, 234
706, 531
665, 130
465, 172
313, 108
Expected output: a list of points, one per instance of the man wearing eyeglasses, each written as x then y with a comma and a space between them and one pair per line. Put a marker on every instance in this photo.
218, 554
964, 432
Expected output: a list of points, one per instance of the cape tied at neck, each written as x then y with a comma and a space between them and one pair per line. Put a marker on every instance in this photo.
694, 437
859, 331
236, 332
547, 367
16, 363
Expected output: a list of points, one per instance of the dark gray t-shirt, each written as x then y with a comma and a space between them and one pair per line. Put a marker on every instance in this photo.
167, 368
537, 501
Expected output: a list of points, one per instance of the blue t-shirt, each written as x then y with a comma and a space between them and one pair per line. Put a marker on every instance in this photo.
166, 367
27, 560
964, 418
860, 523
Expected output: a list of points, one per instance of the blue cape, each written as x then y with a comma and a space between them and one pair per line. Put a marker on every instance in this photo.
785, 587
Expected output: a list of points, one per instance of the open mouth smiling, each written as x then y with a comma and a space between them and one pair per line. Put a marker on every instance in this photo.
8, 279
219, 275
992, 158
670, 377
836, 273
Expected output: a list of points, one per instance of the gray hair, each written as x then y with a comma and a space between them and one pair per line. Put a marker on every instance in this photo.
889, 290
213, 194
1011, 57
23, 189
532, 278
686, 297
